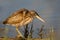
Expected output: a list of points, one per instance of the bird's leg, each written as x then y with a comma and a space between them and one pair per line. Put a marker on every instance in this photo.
20, 35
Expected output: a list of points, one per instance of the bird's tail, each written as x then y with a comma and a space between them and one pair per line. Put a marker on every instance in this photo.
3, 22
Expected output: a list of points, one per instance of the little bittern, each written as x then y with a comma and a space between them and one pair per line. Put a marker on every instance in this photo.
22, 17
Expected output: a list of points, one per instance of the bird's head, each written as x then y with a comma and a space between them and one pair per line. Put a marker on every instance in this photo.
35, 14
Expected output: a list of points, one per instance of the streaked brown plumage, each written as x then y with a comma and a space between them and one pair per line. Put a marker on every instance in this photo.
22, 17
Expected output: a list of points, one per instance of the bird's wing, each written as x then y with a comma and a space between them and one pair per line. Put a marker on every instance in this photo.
20, 11
14, 19
15, 13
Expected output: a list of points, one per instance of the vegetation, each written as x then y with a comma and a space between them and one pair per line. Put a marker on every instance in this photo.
28, 34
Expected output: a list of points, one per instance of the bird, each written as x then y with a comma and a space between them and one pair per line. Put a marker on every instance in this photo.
21, 18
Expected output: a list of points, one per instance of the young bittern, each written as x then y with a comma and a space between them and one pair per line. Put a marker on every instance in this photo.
22, 17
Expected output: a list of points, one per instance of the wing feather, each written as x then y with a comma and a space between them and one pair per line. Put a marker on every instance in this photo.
15, 19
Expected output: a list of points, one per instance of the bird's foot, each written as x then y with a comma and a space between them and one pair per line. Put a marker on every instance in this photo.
20, 36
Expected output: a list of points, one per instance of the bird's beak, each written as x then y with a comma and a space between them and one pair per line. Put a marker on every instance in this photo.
37, 16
